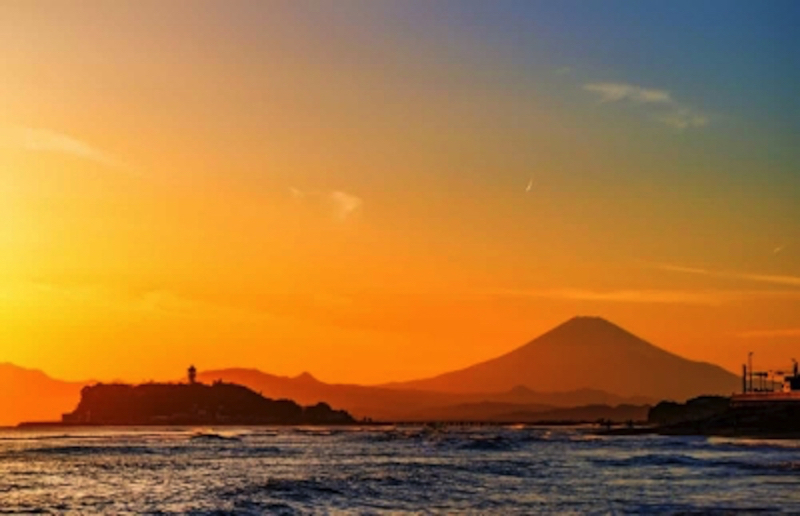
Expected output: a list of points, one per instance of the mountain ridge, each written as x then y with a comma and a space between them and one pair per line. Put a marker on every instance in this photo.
639, 367
400, 404
36, 396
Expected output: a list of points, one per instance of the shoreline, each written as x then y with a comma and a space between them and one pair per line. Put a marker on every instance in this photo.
667, 432
619, 431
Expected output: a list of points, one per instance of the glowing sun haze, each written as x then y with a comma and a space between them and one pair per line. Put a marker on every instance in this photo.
378, 191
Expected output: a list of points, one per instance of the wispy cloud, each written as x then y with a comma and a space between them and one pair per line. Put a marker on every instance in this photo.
345, 204
784, 280
708, 297
683, 118
770, 334
43, 140
622, 296
615, 92
779, 249
792, 281
564, 70
681, 268
641, 296
172, 304
56, 298
342, 204
667, 110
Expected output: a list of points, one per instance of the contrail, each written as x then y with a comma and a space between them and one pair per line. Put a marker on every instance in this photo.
530, 185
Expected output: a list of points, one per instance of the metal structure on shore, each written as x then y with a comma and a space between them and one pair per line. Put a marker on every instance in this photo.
768, 387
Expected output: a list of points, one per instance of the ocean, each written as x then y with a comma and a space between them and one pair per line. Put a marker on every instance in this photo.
376, 470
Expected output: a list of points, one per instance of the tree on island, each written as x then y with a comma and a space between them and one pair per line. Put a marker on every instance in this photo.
192, 373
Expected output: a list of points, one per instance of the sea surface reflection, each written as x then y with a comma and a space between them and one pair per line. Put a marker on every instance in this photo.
388, 469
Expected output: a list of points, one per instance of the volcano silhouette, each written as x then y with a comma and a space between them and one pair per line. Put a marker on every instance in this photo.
587, 353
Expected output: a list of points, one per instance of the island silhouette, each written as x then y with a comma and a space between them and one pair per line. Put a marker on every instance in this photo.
192, 403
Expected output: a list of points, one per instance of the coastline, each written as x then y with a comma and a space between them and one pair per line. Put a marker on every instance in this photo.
629, 432
591, 428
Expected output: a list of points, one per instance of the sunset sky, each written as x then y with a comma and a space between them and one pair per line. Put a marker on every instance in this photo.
375, 191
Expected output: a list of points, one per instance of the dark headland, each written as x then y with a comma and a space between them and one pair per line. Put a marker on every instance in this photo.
722, 417
766, 408
190, 404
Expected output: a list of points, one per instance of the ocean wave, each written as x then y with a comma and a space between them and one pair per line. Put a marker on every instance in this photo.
88, 450
253, 451
723, 465
696, 510
577, 438
47, 437
298, 489
755, 443
497, 443
203, 435
652, 459
259, 433
104, 434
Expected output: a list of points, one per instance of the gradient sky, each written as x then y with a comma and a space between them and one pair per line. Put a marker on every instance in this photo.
377, 191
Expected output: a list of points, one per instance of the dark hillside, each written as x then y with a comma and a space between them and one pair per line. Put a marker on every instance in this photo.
220, 403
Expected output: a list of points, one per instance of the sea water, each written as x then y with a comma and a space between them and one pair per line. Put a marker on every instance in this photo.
373, 470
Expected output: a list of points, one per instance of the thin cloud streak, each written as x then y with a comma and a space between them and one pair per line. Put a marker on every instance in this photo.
683, 119
43, 140
671, 113
679, 268
641, 296
155, 303
651, 296
788, 281
711, 297
770, 334
615, 92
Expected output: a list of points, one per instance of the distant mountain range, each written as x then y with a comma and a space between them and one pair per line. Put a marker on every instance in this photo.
584, 364
30, 395
382, 403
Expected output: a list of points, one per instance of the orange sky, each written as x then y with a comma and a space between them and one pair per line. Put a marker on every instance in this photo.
346, 191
